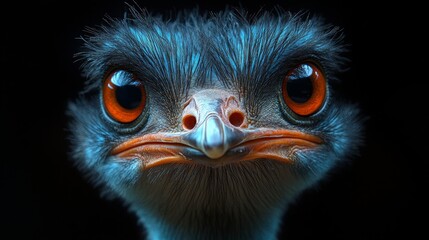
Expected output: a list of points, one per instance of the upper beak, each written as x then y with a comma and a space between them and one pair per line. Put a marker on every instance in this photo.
213, 137
215, 132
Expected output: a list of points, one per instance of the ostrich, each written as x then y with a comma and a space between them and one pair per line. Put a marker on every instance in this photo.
208, 127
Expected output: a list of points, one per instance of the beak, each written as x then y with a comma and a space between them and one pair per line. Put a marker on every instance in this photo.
215, 132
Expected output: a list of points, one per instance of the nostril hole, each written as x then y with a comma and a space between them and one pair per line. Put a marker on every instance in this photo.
236, 118
189, 122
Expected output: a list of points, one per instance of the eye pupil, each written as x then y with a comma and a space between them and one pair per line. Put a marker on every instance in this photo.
129, 96
299, 90
299, 86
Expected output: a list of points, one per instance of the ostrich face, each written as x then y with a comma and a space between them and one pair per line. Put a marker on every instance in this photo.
211, 126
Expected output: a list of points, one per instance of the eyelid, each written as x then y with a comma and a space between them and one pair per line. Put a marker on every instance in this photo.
122, 78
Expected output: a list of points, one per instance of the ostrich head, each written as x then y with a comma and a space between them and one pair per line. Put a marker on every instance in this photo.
208, 127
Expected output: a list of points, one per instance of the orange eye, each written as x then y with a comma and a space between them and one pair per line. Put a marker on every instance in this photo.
124, 97
304, 89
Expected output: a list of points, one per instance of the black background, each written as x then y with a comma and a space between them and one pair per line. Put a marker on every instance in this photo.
379, 195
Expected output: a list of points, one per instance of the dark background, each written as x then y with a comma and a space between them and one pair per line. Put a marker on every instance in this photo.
379, 195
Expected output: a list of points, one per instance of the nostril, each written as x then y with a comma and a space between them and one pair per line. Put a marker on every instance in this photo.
189, 122
236, 118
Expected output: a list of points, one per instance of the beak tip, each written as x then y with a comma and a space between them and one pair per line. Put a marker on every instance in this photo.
214, 153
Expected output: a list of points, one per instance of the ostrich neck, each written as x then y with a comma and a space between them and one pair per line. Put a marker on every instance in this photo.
209, 225
243, 201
